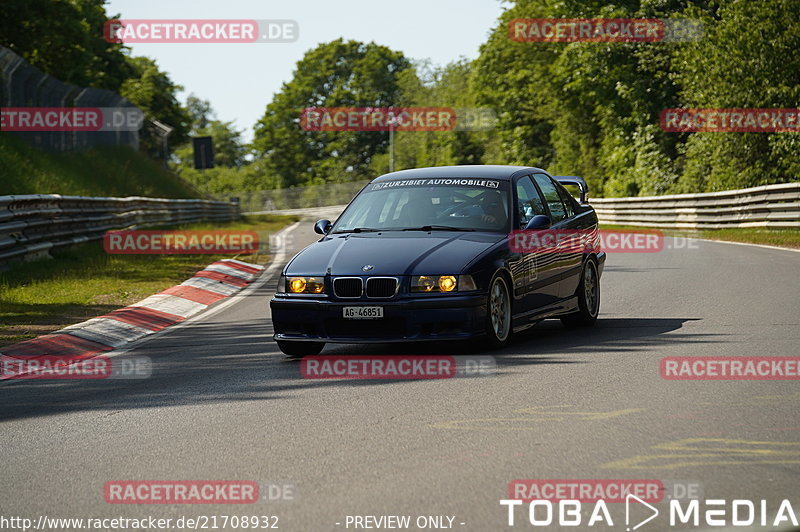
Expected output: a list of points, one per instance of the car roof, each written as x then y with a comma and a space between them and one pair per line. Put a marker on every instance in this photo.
499, 172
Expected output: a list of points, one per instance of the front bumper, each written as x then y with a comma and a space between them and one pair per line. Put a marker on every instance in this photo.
448, 317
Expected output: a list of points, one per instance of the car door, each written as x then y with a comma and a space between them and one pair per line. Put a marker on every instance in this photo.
564, 258
572, 276
539, 281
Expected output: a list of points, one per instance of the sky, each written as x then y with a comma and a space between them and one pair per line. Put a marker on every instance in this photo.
240, 79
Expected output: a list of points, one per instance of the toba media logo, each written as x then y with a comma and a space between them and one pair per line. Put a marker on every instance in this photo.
709, 512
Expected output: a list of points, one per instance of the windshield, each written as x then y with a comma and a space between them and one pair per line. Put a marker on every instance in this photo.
428, 204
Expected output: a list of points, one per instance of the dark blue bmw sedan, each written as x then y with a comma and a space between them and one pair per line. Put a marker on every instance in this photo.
427, 254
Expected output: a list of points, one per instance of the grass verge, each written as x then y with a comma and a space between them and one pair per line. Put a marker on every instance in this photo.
83, 281
99, 171
787, 238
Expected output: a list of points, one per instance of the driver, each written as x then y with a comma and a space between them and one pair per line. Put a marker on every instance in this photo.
493, 211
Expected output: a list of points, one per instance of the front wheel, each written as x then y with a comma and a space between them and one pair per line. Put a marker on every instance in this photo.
498, 312
588, 298
300, 349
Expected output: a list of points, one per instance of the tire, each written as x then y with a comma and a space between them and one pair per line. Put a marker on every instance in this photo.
498, 312
300, 349
588, 298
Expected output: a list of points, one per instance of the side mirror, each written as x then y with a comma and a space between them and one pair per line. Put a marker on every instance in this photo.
540, 221
322, 227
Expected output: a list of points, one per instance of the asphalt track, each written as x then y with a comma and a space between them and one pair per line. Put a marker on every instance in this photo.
223, 404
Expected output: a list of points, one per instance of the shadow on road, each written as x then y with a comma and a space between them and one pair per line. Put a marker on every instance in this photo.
222, 363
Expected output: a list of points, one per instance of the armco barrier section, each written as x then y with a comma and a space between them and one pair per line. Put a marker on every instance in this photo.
33, 224
769, 206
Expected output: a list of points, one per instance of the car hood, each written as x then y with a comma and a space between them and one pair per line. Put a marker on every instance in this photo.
393, 253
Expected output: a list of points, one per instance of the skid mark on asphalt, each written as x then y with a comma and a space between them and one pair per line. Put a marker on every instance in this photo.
531, 418
695, 452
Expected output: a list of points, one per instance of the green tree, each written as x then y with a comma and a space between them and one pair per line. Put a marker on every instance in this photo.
586, 108
232, 173
749, 58
229, 150
427, 85
200, 113
513, 78
156, 95
64, 38
335, 74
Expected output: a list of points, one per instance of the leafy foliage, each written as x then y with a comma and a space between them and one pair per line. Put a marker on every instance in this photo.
335, 74
584, 108
64, 38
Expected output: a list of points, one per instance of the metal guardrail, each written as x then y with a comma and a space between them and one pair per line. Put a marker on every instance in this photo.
769, 206
31, 225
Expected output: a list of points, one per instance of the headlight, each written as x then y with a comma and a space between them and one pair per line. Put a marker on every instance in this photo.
315, 285
423, 283
442, 283
297, 285
305, 285
447, 283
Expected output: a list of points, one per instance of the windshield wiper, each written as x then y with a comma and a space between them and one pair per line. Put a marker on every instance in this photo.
358, 230
437, 228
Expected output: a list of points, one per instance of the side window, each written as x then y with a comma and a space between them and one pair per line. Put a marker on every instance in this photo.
550, 193
529, 202
566, 199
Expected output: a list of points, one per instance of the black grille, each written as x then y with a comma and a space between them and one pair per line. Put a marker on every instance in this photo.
381, 286
347, 287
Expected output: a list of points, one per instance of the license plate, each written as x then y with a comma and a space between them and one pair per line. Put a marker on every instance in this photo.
362, 313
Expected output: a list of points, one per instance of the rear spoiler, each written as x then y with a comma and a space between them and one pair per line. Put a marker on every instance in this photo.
575, 180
